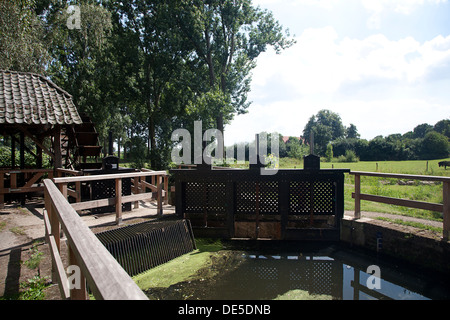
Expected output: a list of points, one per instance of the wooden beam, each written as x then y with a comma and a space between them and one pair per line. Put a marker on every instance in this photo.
446, 210
35, 140
60, 272
57, 147
110, 201
401, 176
2, 195
402, 202
357, 196
118, 201
108, 176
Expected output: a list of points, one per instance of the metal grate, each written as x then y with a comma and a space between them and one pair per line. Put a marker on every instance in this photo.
205, 197
317, 197
300, 195
253, 195
145, 245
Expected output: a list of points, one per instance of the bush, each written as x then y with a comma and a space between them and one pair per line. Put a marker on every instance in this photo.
30, 161
350, 156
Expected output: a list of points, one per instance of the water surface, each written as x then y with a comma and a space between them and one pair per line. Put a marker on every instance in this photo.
323, 273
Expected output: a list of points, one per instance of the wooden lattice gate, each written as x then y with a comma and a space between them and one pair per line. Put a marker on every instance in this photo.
291, 204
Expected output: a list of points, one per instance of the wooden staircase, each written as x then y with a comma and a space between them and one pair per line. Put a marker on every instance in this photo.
79, 143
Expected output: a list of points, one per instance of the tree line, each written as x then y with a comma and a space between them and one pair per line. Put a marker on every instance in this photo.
142, 69
333, 140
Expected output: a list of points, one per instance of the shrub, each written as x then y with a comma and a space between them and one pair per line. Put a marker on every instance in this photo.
350, 156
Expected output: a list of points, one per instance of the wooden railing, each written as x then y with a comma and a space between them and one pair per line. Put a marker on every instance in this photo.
158, 187
106, 278
21, 181
437, 207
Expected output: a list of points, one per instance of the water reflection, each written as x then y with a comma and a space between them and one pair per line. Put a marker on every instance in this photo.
335, 275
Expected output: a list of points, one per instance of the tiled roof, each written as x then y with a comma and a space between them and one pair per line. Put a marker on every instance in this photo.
28, 98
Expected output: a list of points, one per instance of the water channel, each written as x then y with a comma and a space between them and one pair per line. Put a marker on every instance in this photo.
324, 271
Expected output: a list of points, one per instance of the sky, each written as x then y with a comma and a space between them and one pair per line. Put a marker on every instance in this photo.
382, 65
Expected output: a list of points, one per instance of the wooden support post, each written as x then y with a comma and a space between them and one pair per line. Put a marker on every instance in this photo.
13, 151
54, 231
136, 190
2, 185
78, 191
63, 189
22, 150
13, 180
446, 210
57, 147
179, 195
118, 201
78, 292
166, 189
159, 197
357, 196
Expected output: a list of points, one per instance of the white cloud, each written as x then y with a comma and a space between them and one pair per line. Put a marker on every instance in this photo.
320, 63
380, 85
378, 8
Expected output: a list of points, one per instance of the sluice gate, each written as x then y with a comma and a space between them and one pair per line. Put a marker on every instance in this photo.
142, 246
291, 204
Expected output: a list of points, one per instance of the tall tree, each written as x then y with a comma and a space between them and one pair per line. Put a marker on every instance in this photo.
227, 36
81, 63
22, 42
155, 54
327, 126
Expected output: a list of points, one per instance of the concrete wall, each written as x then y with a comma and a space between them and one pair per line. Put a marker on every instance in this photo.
402, 242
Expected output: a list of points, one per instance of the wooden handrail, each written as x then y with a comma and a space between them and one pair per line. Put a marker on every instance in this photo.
161, 190
106, 278
109, 176
401, 176
444, 208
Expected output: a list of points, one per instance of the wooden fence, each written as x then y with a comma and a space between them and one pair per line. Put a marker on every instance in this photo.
106, 278
20, 181
444, 208
158, 188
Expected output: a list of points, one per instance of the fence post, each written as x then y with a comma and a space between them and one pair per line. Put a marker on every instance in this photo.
166, 189
136, 190
54, 230
357, 196
2, 195
118, 201
63, 189
446, 210
78, 191
79, 293
159, 195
